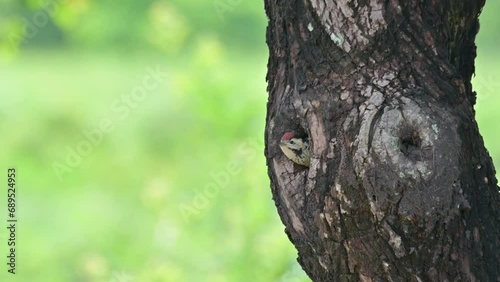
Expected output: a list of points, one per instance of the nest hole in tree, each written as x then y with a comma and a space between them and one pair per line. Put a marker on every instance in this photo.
409, 140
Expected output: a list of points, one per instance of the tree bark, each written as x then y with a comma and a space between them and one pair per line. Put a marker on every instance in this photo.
400, 186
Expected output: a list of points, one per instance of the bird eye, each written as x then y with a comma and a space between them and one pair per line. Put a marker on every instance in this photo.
292, 142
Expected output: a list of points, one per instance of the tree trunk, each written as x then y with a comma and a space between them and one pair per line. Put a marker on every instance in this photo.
400, 186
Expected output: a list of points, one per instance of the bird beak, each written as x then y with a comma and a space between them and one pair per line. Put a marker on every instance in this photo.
282, 143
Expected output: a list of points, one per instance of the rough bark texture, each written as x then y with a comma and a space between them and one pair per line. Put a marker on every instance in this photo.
400, 186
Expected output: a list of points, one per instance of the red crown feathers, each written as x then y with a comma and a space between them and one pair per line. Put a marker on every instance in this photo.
288, 136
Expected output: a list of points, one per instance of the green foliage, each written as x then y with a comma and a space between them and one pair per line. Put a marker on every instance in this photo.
161, 25
121, 208
177, 189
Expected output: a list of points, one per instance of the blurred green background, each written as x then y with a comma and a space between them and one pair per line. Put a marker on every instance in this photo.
137, 131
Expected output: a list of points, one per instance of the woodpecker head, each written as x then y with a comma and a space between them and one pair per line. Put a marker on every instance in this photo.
296, 148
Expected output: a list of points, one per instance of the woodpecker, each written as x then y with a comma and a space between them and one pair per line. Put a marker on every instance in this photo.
296, 148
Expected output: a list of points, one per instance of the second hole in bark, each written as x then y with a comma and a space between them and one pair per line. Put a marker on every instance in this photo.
410, 140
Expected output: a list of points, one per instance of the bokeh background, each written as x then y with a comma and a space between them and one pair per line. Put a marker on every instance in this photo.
137, 131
